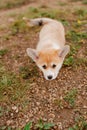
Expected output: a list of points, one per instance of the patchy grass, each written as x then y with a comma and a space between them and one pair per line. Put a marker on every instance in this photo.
18, 26
70, 97
76, 39
41, 12
6, 37
69, 61
59, 103
62, 3
7, 128
80, 124
1, 111
84, 1
26, 72
75, 36
34, 10
75, 0
64, 22
68, 100
80, 13
44, 126
11, 86
3, 52
28, 126
7, 4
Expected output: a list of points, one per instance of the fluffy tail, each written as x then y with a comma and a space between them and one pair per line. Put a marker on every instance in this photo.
37, 21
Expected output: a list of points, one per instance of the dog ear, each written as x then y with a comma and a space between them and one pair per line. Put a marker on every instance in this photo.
32, 53
64, 51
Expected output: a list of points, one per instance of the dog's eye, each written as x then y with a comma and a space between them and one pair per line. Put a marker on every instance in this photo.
44, 66
53, 66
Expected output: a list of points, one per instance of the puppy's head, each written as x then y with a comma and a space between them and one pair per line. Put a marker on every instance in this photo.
49, 61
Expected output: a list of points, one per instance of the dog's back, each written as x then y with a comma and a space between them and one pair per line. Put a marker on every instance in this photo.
51, 34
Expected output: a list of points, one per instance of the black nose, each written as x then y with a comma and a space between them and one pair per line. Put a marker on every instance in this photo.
49, 77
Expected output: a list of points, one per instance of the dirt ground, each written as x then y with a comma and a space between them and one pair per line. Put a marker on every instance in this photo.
25, 96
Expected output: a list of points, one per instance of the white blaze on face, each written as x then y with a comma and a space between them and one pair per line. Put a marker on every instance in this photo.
50, 73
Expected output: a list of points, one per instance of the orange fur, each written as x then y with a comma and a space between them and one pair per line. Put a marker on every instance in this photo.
48, 57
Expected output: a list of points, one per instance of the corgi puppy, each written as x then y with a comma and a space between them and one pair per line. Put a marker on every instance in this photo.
51, 49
